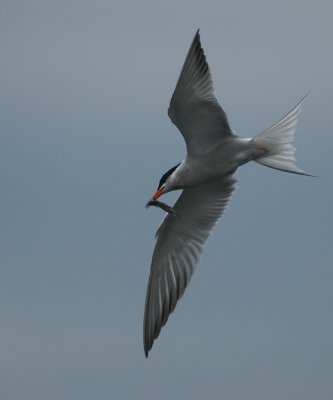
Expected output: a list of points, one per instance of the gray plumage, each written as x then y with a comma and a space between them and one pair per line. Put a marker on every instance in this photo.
207, 178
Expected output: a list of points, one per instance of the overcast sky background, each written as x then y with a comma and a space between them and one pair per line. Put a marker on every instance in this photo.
84, 139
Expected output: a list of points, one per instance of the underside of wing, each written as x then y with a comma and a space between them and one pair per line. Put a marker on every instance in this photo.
194, 108
179, 244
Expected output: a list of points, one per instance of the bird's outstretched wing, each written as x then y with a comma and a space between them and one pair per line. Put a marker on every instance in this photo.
179, 245
194, 108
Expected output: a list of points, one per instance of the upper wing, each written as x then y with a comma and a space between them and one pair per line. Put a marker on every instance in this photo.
180, 242
193, 108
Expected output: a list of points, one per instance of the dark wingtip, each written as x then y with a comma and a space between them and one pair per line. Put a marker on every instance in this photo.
146, 350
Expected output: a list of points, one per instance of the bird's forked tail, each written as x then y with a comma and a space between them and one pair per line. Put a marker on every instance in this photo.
277, 142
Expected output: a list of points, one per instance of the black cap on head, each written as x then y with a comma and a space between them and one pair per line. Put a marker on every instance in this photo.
166, 175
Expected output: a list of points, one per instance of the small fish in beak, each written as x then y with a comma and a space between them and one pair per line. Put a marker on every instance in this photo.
164, 206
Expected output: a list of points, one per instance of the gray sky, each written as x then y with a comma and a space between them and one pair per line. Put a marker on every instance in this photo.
84, 139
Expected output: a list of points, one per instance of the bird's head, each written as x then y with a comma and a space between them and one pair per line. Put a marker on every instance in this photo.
166, 183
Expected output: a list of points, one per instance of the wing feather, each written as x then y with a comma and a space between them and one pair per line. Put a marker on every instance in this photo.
180, 242
194, 108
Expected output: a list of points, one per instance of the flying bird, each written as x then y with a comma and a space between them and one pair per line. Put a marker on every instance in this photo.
207, 180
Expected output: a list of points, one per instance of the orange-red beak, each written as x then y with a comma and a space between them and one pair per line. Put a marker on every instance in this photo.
158, 193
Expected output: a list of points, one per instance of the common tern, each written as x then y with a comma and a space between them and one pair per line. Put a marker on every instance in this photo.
207, 178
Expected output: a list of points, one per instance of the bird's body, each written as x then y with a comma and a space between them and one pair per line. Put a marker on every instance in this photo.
207, 178
217, 162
